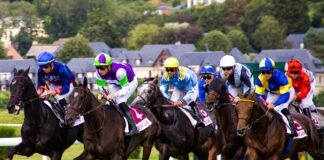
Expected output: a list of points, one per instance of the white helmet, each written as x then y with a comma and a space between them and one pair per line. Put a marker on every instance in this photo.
227, 61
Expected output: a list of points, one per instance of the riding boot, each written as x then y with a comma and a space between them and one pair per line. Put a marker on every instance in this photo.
63, 108
198, 115
130, 119
286, 112
307, 112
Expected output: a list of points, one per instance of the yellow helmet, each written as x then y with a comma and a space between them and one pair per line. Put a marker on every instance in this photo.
171, 62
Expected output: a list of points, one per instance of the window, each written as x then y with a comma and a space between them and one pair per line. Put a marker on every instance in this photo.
162, 61
301, 45
138, 62
124, 61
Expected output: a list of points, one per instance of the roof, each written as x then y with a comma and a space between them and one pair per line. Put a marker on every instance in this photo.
296, 40
150, 52
284, 55
114, 52
238, 55
201, 58
12, 53
131, 56
35, 50
81, 65
99, 47
9, 65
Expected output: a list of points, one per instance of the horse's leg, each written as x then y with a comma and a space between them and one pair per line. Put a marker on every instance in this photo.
212, 153
147, 147
163, 156
56, 155
20, 149
184, 157
252, 154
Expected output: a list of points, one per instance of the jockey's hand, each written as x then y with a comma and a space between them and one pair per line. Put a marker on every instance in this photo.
110, 96
39, 92
48, 93
270, 106
235, 100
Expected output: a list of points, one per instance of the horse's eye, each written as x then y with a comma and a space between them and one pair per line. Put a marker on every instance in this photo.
149, 91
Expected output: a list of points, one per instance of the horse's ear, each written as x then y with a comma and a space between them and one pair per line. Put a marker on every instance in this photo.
14, 71
85, 82
251, 95
27, 71
156, 79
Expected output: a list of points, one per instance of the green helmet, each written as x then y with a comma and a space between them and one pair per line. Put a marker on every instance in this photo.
102, 59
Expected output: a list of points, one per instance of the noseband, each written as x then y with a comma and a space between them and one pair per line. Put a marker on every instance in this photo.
216, 105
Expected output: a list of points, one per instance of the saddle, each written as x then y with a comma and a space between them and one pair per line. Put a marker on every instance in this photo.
56, 109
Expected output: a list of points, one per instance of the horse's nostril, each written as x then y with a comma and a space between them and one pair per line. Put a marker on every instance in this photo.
240, 132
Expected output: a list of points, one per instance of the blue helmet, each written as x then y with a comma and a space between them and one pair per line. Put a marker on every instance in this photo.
45, 58
207, 69
266, 64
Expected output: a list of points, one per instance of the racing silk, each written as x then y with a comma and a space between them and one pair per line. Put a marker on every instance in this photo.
60, 75
241, 78
279, 83
184, 80
310, 75
301, 84
203, 89
120, 74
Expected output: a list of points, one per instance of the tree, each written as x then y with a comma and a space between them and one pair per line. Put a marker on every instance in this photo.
142, 34
191, 34
316, 14
212, 17
315, 42
101, 28
319, 99
215, 41
293, 14
239, 40
3, 54
235, 11
77, 47
23, 41
270, 34
165, 36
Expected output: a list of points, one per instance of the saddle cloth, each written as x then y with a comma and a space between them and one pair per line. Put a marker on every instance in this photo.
317, 119
78, 121
188, 112
141, 120
298, 128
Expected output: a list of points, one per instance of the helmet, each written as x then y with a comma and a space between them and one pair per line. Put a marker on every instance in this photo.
227, 61
45, 58
266, 64
294, 65
171, 62
207, 69
102, 59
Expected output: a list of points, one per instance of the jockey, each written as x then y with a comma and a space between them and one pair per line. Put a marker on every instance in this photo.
185, 85
279, 89
238, 77
122, 84
302, 85
207, 76
60, 80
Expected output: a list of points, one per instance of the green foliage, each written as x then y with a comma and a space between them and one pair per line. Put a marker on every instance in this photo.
190, 34
165, 36
142, 34
316, 13
215, 41
270, 34
77, 47
100, 28
5, 132
212, 17
136, 154
4, 97
293, 14
319, 99
3, 54
315, 42
235, 11
239, 40
24, 41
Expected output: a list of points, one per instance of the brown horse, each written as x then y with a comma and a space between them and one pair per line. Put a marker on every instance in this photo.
104, 136
218, 103
178, 136
265, 134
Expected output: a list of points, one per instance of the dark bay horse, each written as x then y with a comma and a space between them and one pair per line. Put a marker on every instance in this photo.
104, 128
218, 102
265, 135
40, 131
178, 136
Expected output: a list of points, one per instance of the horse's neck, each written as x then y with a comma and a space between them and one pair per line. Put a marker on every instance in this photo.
95, 117
225, 116
32, 109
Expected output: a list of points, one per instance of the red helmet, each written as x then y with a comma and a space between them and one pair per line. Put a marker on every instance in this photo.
294, 65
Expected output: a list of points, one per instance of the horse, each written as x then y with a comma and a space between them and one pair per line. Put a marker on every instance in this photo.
40, 131
264, 132
178, 136
218, 103
104, 127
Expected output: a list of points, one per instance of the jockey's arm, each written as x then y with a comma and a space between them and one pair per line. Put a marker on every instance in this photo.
283, 91
191, 91
122, 78
305, 89
201, 87
164, 87
246, 79
259, 89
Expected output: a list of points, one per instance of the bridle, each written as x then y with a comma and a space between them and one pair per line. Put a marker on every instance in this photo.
249, 125
84, 112
216, 105
19, 98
